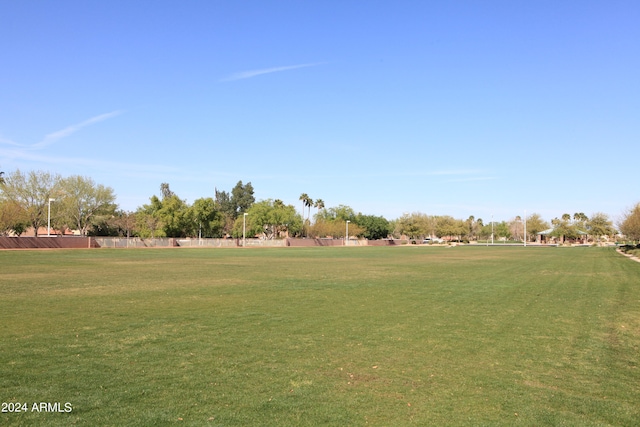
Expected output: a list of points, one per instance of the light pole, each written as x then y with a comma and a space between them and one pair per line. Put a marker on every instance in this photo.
346, 237
492, 229
49, 217
525, 228
244, 229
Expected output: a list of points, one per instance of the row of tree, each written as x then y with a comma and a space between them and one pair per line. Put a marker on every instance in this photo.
38, 198
419, 226
30, 200
171, 216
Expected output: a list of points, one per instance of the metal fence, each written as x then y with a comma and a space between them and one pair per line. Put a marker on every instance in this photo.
132, 242
229, 243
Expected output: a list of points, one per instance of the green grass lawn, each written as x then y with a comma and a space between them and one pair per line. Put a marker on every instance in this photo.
322, 336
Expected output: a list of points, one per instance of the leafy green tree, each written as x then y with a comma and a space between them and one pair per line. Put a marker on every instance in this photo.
169, 217
332, 222
336, 228
340, 212
407, 225
600, 225
415, 226
148, 222
32, 193
486, 230
375, 227
83, 203
564, 229
472, 227
226, 207
535, 224
166, 191
209, 221
242, 198
447, 226
481, 229
501, 230
270, 219
233, 205
630, 223
176, 217
393, 223
13, 218
149, 225
173, 213
124, 222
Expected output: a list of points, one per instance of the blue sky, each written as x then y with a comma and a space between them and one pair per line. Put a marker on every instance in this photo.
461, 108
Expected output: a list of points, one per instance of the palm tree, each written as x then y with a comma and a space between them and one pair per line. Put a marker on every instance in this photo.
304, 197
319, 204
309, 203
580, 218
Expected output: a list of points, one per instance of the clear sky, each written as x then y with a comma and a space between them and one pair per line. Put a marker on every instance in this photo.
441, 107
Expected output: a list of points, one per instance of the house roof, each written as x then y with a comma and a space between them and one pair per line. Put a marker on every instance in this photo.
545, 232
550, 230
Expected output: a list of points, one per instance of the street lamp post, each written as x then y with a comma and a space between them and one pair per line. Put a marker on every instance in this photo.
525, 228
492, 229
346, 237
49, 217
244, 229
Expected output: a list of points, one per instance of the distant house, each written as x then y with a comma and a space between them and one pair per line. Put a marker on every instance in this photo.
42, 231
548, 236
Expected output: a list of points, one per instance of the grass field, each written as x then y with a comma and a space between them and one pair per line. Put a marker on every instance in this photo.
321, 336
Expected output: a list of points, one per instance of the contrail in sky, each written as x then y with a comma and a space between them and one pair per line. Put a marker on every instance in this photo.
248, 74
55, 136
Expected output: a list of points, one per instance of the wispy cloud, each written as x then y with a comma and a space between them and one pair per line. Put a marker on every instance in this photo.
9, 142
93, 164
472, 179
253, 73
441, 175
58, 135
453, 172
